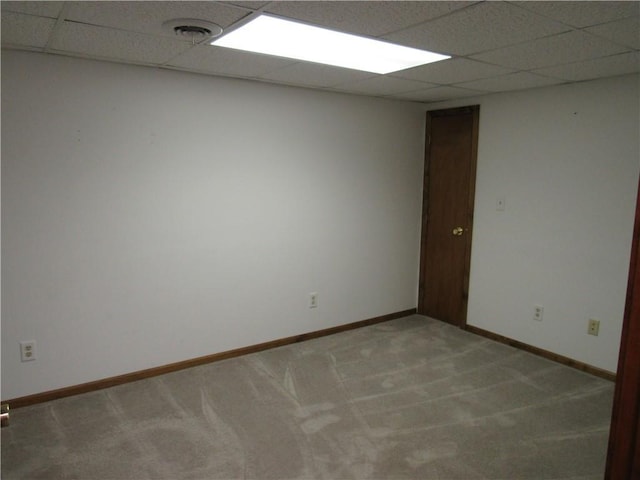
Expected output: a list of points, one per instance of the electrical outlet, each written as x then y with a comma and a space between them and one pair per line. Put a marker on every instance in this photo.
594, 327
28, 351
313, 300
538, 311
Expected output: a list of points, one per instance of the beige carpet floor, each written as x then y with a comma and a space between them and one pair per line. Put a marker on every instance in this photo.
412, 398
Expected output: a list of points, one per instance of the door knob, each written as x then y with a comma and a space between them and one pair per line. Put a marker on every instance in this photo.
458, 231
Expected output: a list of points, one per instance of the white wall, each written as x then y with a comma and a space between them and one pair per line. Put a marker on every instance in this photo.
566, 159
153, 216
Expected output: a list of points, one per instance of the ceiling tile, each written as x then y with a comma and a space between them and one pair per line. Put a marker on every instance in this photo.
564, 48
383, 85
583, 13
555, 41
625, 32
225, 61
481, 27
41, 9
438, 94
107, 43
26, 30
148, 17
621, 64
247, 5
315, 75
364, 18
513, 81
452, 71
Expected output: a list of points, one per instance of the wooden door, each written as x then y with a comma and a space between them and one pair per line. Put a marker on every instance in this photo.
623, 458
447, 213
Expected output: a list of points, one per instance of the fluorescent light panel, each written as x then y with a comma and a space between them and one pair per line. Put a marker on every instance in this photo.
284, 38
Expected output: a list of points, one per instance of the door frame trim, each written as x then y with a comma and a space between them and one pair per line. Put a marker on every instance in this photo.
475, 112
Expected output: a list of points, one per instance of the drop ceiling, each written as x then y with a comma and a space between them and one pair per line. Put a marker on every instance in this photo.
496, 46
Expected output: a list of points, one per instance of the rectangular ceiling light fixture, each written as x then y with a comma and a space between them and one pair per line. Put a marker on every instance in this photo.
284, 38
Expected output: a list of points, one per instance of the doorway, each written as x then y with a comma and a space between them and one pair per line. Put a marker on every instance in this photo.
447, 213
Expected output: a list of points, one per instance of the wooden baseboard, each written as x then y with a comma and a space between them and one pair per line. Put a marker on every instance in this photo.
173, 367
598, 372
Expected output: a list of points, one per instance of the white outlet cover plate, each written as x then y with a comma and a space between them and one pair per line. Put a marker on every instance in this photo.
28, 351
313, 300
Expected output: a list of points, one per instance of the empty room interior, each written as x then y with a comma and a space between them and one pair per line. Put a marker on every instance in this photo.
213, 260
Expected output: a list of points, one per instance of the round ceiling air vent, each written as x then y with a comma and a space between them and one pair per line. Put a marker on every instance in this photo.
192, 29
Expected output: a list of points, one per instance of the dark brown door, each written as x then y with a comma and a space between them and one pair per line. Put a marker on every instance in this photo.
447, 213
623, 459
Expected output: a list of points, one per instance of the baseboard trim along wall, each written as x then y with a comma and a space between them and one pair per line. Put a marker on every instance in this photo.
598, 372
173, 367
